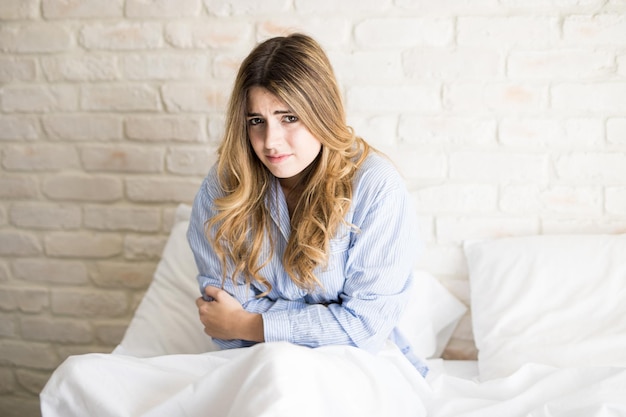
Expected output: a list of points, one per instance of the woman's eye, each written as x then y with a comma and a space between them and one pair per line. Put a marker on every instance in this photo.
291, 118
255, 121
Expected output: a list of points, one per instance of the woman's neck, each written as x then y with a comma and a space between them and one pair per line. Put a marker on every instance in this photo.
292, 188
292, 192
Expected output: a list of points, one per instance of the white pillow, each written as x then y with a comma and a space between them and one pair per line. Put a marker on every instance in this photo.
431, 317
554, 300
166, 321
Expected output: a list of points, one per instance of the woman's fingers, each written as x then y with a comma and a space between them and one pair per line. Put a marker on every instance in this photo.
214, 293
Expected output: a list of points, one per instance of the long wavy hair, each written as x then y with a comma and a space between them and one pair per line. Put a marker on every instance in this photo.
295, 69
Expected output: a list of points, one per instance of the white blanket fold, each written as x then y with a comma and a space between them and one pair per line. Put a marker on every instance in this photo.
270, 379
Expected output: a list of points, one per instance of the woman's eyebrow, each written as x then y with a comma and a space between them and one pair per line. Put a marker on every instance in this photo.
252, 114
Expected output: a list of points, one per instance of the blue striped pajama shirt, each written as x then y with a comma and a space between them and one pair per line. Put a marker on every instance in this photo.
364, 284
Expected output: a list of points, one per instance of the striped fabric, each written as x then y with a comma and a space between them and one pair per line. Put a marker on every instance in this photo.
364, 284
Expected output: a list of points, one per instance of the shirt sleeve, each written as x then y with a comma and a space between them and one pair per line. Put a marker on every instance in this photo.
377, 276
210, 268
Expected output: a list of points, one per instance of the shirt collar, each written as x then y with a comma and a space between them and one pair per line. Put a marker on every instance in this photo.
279, 212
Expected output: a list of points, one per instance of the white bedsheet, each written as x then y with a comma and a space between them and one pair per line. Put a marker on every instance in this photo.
534, 391
279, 379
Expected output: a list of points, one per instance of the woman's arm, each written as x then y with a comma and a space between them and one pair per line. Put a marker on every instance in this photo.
210, 269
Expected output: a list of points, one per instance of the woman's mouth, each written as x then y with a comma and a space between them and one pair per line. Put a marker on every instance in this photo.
276, 159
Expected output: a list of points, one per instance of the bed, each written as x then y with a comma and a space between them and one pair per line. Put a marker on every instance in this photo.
548, 317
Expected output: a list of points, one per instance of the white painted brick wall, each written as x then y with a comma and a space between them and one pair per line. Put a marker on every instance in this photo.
616, 131
506, 117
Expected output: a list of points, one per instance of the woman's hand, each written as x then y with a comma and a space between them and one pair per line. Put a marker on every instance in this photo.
225, 318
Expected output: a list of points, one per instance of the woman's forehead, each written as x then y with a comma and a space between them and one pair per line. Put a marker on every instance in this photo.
260, 98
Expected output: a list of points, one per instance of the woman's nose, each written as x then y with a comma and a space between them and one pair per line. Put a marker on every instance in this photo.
273, 135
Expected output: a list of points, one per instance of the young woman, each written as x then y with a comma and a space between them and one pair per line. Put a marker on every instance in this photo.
303, 236
301, 232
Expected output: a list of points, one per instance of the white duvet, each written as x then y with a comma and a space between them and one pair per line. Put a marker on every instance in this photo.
270, 379
279, 379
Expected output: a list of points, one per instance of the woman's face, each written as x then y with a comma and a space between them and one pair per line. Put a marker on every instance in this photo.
279, 139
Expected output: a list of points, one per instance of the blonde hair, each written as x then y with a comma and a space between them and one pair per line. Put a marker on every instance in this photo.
295, 69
